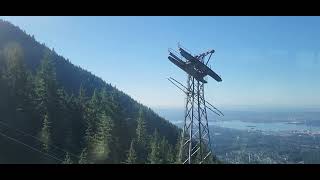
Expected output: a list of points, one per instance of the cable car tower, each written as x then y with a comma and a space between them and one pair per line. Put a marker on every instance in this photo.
195, 145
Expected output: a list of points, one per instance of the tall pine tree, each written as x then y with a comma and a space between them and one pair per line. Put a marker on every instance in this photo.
166, 152
141, 131
45, 133
67, 159
102, 137
178, 150
141, 136
17, 89
83, 157
131, 157
15, 71
155, 154
91, 117
46, 98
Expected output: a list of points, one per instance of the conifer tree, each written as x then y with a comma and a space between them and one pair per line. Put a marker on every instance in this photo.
102, 141
141, 136
141, 129
131, 157
45, 133
91, 118
17, 84
46, 98
167, 154
82, 97
67, 159
106, 101
83, 157
170, 156
15, 70
155, 154
178, 150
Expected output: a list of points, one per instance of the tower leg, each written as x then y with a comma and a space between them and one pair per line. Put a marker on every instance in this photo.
195, 145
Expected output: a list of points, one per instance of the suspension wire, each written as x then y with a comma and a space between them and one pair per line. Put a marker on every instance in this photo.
27, 134
35, 149
186, 89
208, 59
215, 108
177, 86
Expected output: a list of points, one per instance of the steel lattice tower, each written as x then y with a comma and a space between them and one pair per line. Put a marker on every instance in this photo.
195, 145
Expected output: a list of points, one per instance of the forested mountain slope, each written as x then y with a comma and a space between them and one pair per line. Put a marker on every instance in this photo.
68, 115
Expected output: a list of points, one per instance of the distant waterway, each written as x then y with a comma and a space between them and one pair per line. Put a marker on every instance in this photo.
275, 121
268, 127
274, 126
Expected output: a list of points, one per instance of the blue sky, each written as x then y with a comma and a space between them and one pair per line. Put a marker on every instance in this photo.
263, 61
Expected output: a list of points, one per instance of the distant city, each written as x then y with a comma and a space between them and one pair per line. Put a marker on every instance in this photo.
261, 137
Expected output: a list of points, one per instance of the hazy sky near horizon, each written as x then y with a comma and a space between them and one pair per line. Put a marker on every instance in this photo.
263, 61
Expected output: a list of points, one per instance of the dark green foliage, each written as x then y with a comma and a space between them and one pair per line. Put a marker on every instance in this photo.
141, 130
166, 151
45, 91
83, 157
64, 105
91, 116
15, 73
141, 136
45, 133
67, 159
102, 138
132, 156
17, 85
178, 150
155, 154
